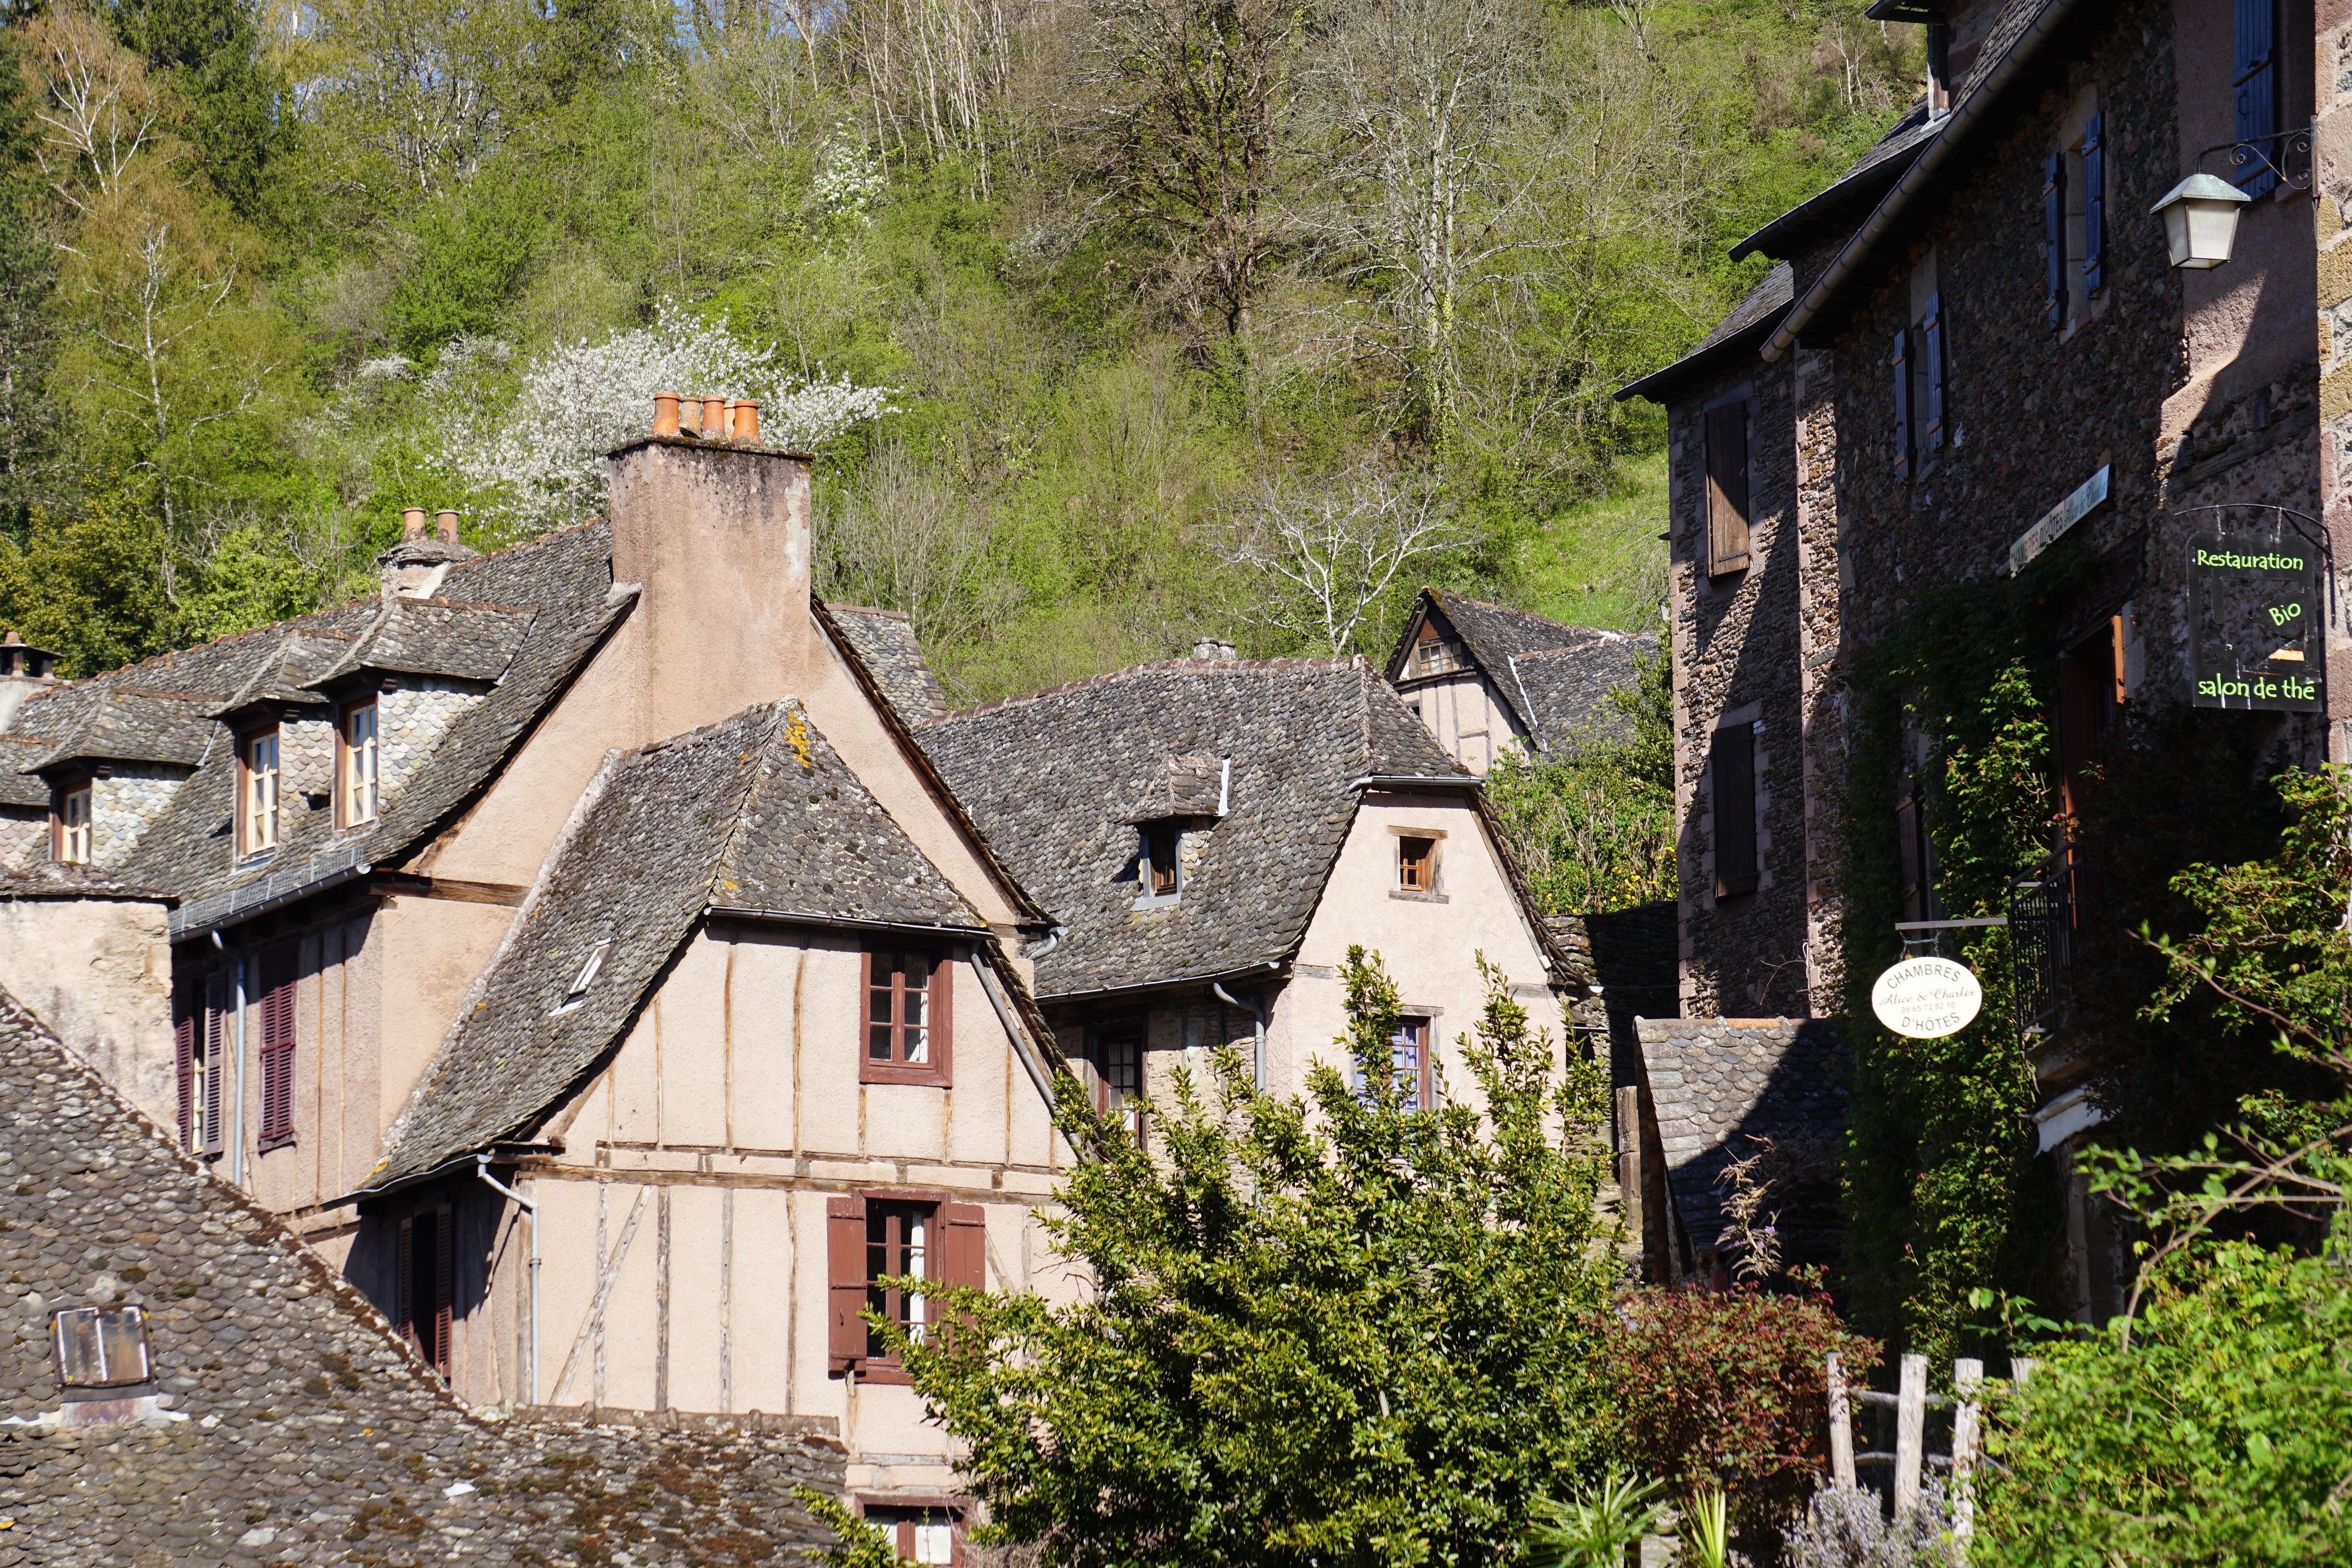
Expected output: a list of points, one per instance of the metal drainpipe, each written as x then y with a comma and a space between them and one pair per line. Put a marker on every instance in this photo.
237, 1079
1217, 988
530, 1212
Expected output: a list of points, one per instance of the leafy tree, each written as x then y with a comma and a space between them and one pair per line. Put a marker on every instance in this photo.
87, 588
27, 271
1332, 1331
233, 103
1593, 821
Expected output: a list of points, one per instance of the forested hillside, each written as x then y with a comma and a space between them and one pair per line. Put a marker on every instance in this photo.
1113, 322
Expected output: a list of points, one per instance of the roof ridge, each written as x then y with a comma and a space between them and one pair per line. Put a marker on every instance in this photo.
1231, 666
702, 732
747, 778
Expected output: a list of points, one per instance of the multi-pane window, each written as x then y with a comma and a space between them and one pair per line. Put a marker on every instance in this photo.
257, 793
1409, 1061
73, 825
926, 1536
1436, 655
905, 1023
358, 760
1416, 864
900, 1240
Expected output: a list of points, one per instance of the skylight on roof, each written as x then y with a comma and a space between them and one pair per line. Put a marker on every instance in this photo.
591, 969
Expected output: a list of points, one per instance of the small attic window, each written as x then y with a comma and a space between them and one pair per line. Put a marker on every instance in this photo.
590, 970
99, 1347
1158, 862
1436, 654
73, 826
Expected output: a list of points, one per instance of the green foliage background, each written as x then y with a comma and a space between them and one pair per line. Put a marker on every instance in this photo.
1060, 405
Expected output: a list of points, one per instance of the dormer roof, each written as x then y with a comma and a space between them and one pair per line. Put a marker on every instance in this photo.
1554, 678
128, 725
279, 681
433, 637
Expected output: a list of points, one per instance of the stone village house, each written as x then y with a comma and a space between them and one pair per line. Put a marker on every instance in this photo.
1972, 344
611, 959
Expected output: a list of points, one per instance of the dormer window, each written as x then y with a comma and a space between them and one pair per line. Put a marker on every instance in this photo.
71, 845
355, 764
1437, 654
256, 794
1162, 873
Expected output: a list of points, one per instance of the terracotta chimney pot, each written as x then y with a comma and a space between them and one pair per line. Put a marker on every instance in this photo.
445, 524
665, 413
411, 523
747, 422
690, 415
714, 419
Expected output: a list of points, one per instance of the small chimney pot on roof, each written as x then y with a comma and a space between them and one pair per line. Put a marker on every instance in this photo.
411, 523
747, 422
24, 670
665, 413
445, 526
714, 419
1214, 651
689, 417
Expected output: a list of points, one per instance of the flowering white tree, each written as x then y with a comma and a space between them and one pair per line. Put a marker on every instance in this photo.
532, 448
1326, 554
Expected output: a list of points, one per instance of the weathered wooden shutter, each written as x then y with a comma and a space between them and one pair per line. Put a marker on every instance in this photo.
445, 1280
1931, 342
941, 1009
845, 1239
188, 1007
964, 1249
1901, 361
277, 967
1734, 763
220, 1045
2094, 207
404, 1288
2053, 242
2256, 81
1727, 488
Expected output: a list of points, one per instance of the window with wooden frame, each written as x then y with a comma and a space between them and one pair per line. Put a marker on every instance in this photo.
883, 1235
1436, 654
1416, 863
907, 1018
1408, 1061
1115, 1052
1732, 763
1158, 861
69, 838
426, 1314
931, 1536
1727, 488
2073, 217
203, 1023
257, 793
276, 969
356, 764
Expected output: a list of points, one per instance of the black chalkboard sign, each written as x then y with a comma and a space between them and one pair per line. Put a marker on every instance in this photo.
2254, 624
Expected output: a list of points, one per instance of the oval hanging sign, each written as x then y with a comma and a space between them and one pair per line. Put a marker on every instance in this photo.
1927, 998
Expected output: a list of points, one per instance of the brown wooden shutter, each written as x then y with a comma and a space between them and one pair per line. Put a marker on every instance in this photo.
1902, 366
2054, 241
1931, 343
278, 970
942, 1015
404, 1295
2094, 206
187, 1010
1734, 764
220, 1044
445, 1279
964, 1249
845, 1246
1727, 488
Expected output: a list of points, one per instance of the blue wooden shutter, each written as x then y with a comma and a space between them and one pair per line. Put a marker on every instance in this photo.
2094, 199
1931, 344
2256, 81
1902, 363
2053, 239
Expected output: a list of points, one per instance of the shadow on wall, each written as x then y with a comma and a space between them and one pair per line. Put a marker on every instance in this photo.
423, 1258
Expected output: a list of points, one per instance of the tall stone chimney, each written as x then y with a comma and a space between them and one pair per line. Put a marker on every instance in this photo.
717, 537
24, 670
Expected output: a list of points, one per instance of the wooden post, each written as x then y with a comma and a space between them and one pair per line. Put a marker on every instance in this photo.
1840, 1426
1629, 1172
1910, 1434
1968, 1378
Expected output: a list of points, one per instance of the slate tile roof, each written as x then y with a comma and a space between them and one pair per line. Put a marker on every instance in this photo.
1832, 211
48, 879
1722, 1085
435, 637
1049, 776
312, 1435
1555, 678
884, 642
757, 814
526, 618
19, 752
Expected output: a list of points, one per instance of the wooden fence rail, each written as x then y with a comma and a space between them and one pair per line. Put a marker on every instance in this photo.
1910, 1459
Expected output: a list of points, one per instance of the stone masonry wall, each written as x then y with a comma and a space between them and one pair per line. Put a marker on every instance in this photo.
298, 1428
1737, 640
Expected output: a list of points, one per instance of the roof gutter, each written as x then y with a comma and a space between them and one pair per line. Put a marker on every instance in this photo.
474, 1159
1417, 781
217, 913
1915, 179
841, 922
1209, 980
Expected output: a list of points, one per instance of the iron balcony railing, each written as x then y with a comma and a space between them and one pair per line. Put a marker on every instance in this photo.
2045, 908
